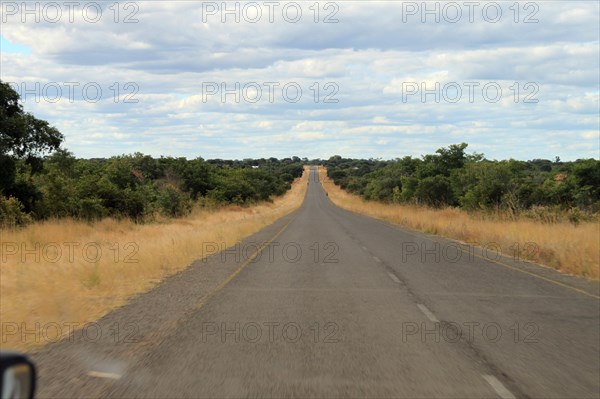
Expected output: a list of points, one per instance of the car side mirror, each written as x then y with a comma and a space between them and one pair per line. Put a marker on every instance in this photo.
17, 376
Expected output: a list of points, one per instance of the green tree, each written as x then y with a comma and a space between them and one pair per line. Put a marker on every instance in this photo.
22, 137
435, 191
173, 203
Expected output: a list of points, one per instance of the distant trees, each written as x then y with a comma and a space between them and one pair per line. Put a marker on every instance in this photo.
38, 180
451, 177
139, 186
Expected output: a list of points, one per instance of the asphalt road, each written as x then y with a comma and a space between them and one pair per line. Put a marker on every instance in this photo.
335, 304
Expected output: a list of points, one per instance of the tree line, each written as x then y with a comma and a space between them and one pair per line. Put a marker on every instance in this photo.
452, 178
41, 180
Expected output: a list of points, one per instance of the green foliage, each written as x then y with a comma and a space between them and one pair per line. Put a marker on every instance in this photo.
173, 202
21, 134
12, 213
450, 177
435, 191
23, 140
138, 186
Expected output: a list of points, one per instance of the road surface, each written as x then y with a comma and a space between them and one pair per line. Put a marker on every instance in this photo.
327, 303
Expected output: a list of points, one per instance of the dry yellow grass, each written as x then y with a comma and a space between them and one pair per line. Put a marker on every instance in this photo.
35, 293
563, 246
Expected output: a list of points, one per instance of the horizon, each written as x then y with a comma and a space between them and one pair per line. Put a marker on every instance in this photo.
561, 160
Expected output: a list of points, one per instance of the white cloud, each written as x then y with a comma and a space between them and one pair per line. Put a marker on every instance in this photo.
365, 58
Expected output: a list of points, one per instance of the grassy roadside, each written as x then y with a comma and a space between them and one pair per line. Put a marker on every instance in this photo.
563, 246
78, 272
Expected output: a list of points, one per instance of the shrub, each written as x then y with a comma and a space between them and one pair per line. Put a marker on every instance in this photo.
173, 203
12, 213
435, 191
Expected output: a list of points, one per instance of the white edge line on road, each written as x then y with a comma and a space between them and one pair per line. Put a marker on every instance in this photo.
427, 313
422, 235
377, 259
499, 387
101, 374
394, 278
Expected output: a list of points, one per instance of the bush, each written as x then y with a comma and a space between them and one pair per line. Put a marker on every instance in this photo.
435, 191
12, 213
173, 203
91, 209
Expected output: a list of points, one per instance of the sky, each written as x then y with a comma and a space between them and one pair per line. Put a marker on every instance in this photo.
363, 79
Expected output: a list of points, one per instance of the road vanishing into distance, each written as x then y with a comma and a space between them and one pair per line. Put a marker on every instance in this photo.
327, 303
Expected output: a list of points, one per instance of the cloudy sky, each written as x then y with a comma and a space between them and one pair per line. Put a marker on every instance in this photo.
312, 79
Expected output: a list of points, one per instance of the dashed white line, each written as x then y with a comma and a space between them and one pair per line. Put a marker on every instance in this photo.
428, 313
377, 259
499, 387
102, 374
396, 280
365, 249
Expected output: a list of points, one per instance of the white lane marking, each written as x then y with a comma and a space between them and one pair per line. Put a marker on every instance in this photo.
102, 374
499, 387
365, 249
394, 278
377, 259
428, 313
